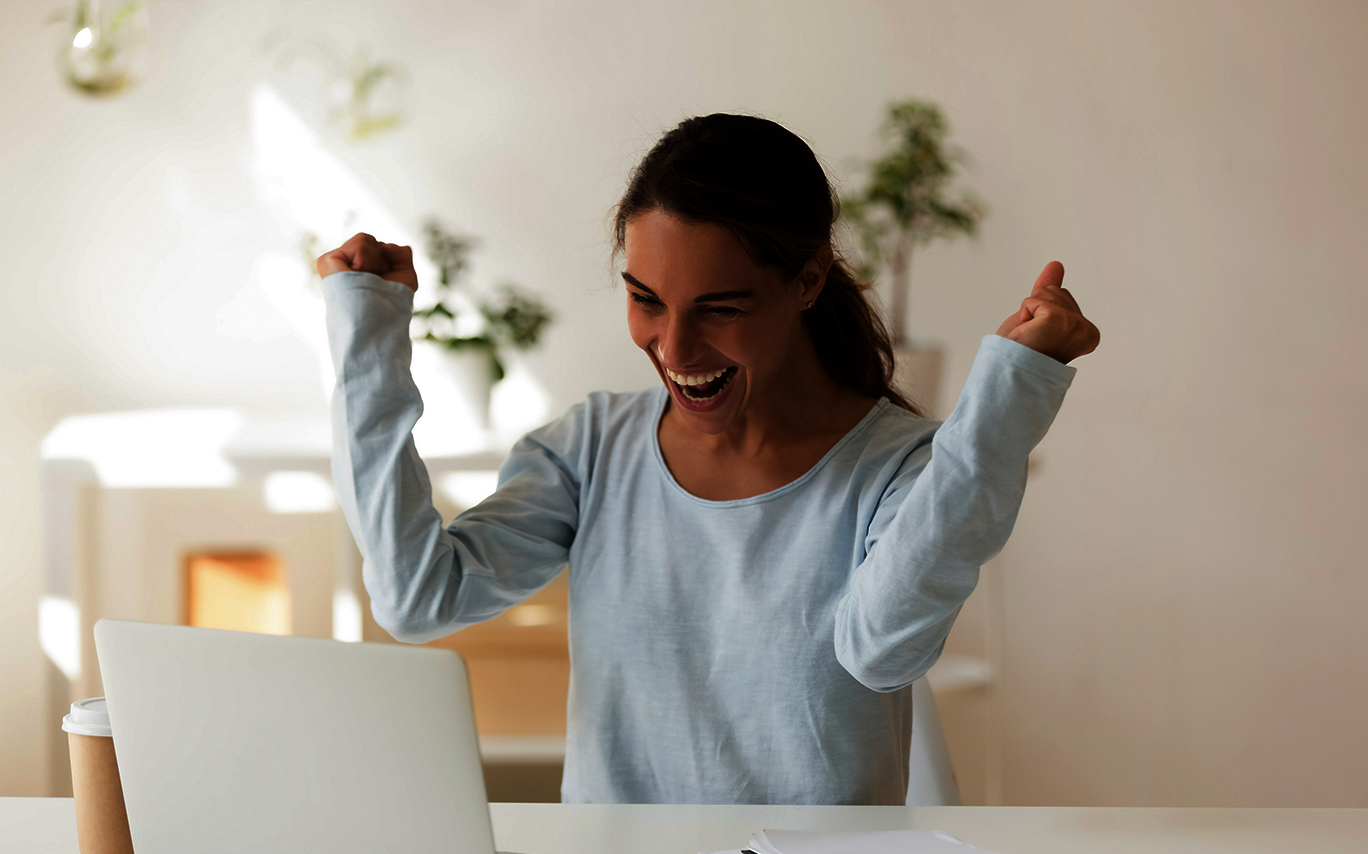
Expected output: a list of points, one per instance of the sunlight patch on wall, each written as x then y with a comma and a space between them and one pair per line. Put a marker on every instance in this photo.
308, 186
149, 448
346, 617
298, 492
316, 198
59, 633
319, 202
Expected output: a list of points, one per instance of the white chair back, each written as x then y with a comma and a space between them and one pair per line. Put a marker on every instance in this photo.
931, 777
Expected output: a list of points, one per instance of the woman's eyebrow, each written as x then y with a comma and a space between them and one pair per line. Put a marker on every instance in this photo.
716, 296
724, 296
632, 280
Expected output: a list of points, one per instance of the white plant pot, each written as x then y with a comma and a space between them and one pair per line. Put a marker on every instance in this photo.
470, 376
456, 394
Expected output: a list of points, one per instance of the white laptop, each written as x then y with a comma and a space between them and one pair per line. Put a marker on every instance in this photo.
236, 742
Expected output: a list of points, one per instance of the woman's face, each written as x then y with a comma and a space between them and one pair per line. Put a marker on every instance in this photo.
719, 328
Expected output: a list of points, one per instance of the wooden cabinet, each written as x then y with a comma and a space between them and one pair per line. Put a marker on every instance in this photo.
519, 665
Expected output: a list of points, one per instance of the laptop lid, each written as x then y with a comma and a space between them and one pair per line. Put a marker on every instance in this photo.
236, 742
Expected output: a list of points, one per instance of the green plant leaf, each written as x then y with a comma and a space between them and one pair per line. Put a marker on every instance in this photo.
122, 15
470, 342
516, 318
512, 318
904, 197
448, 252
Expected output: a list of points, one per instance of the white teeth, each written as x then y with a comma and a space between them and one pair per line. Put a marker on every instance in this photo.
693, 379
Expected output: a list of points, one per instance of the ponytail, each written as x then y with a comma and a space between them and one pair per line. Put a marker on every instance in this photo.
851, 340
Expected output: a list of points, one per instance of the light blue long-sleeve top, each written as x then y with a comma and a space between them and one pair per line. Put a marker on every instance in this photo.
748, 651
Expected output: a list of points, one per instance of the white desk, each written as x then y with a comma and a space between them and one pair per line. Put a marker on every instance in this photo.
48, 826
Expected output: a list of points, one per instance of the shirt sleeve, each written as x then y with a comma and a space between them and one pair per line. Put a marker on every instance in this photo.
427, 580
948, 511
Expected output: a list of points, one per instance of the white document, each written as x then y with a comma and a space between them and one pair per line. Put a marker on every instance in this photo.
872, 842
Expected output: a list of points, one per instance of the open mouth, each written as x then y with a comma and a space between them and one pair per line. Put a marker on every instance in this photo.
702, 388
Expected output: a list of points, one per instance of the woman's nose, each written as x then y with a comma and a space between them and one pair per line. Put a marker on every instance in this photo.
678, 344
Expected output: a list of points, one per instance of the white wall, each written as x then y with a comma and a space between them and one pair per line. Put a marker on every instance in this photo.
1180, 597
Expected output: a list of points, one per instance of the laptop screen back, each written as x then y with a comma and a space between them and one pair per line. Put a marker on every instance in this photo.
234, 742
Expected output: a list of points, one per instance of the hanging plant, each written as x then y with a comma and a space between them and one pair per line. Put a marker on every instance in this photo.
103, 51
361, 98
376, 90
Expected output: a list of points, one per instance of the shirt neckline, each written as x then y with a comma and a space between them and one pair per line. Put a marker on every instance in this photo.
662, 396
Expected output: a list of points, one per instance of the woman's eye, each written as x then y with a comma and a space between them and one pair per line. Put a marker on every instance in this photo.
643, 300
722, 311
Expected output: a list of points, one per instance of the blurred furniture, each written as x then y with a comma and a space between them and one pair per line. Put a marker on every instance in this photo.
48, 826
129, 497
519, 666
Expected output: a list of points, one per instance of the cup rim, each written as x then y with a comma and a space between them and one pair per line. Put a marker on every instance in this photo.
88, 717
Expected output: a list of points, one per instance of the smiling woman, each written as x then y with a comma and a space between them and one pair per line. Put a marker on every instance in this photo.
766, 550
739, 362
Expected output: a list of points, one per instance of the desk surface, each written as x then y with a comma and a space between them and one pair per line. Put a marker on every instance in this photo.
48, 826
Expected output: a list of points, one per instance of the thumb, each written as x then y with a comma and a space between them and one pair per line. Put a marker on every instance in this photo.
1050, 277
1009, 325
335, 261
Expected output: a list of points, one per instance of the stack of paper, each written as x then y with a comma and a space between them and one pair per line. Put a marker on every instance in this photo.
875, 842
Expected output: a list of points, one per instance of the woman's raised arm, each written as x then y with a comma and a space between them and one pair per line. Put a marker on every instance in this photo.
426, 580
955, 501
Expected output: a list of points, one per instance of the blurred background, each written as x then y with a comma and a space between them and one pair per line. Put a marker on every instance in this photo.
1177, 619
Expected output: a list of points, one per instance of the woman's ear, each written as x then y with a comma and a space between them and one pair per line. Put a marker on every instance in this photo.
813, 277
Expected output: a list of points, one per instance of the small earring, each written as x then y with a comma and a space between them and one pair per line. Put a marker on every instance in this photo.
809, 305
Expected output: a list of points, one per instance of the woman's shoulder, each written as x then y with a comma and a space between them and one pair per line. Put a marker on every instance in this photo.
609, 410
890, 427
888, 446
603, 419
888, 439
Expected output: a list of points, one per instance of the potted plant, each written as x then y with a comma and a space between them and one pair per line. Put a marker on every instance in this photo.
473, 330
904, 202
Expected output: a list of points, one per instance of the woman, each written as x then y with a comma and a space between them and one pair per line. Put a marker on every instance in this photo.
766, 550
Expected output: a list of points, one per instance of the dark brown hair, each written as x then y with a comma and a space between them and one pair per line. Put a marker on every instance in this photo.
762, 183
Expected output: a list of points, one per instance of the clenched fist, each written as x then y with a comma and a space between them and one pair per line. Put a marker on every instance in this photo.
1050, 321
364, 254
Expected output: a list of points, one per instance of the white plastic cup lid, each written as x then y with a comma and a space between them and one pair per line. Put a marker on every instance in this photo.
88, 717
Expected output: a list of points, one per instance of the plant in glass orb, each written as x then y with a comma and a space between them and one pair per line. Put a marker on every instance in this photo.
907, 201
104, 50
376, 91
461, 322
362, 98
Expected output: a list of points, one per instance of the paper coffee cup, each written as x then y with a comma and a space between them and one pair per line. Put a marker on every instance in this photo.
101, 820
